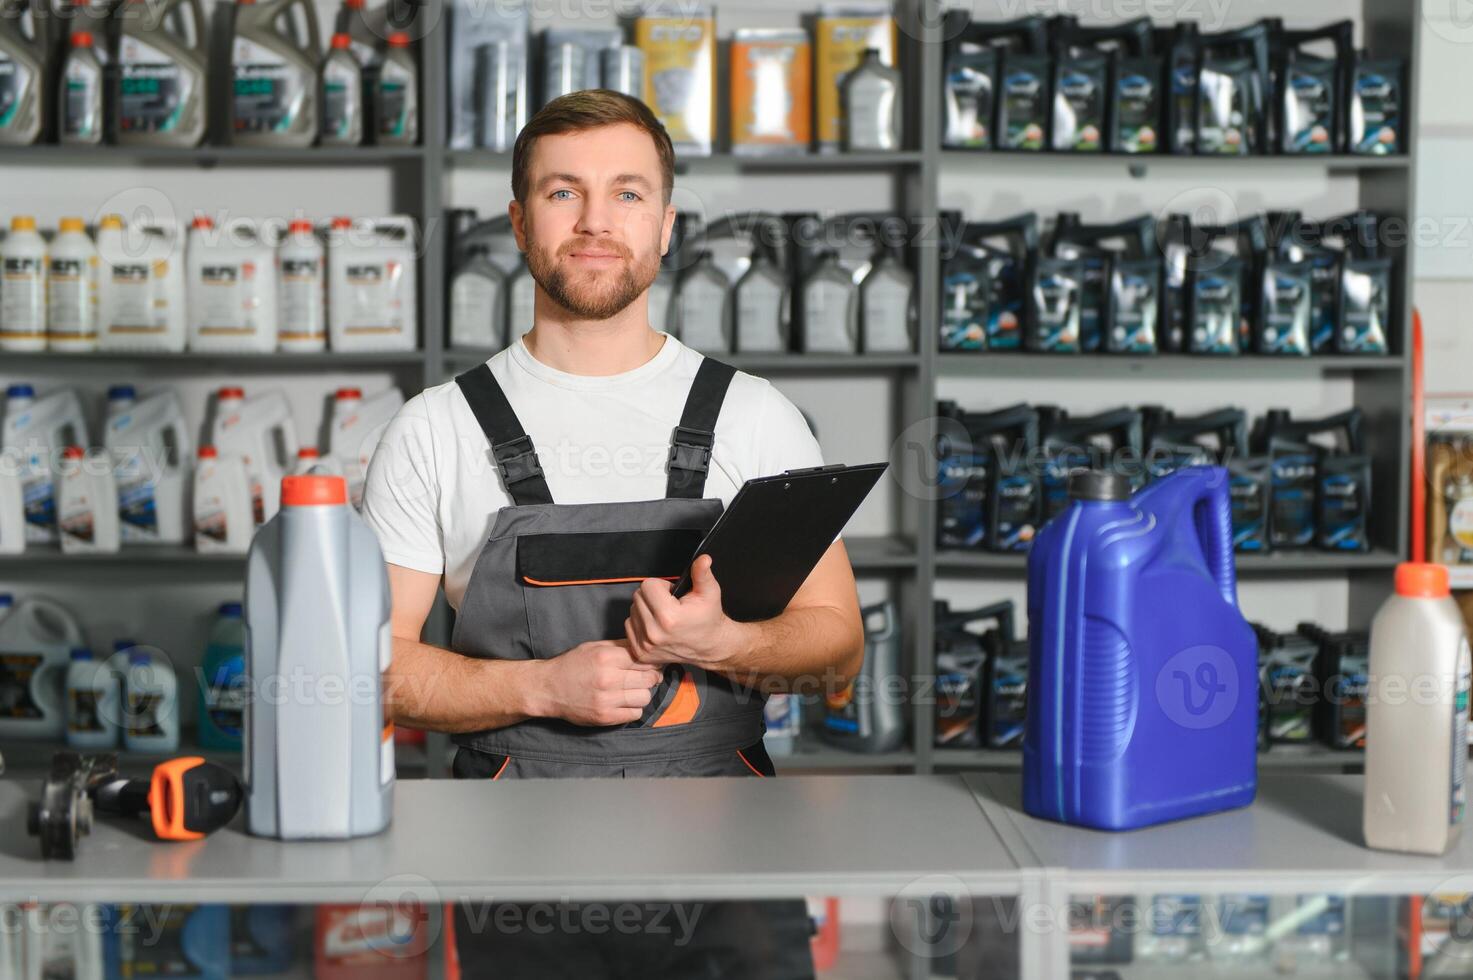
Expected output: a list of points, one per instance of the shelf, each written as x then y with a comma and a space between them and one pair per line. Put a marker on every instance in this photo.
138, 561
1253, 366
1139, 165
198, 361
207, 156
812, 756
1314, 757
777, 363
1315, 562
733, 163
877, 554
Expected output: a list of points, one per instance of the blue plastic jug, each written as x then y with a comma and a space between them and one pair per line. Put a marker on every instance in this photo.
1143, 690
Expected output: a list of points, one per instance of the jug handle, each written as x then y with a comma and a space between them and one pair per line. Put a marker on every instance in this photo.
197, 23
314, 39
1212, 518
885, 610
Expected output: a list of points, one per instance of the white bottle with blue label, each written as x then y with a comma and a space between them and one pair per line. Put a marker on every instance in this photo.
150, 703
150, 445
35, 431
94, 699
36, 639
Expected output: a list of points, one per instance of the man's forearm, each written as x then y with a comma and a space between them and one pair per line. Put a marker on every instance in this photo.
811, 650
433, 688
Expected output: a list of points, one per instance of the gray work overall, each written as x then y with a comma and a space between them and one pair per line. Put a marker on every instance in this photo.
551, 576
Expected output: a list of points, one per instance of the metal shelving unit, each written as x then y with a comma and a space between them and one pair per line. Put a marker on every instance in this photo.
908, 557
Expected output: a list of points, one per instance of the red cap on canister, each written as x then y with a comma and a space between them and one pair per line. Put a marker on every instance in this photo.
341, 42
308, 452
1422, 580
72, 452
398, 39
208, 452
232, 393
203, 221
313, 491
301, 224
341, 223
349, 393
82, 39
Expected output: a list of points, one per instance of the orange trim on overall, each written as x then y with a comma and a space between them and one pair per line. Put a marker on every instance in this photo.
596, 581
755, 771
452, 952
504, 763
683, 706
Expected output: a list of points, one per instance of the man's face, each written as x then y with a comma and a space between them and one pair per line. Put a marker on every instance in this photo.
595, 222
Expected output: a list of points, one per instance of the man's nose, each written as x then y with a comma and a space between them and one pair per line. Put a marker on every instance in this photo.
594, 218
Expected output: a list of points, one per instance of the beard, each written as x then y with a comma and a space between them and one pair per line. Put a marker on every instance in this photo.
591, 294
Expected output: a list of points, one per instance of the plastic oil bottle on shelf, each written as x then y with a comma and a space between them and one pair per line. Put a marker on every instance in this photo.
150, 703
36, 638
225, 690
1417, 747
311, 460
342, 94
371, 284
303, 290
12, 512
162, 64
87, 503
140, 287
356, 428
94, 710
71, 289
150, 446
22, 60
38, 429
23, 291
80, 102
259, 429
232, 288
317, 599
273, 97
396, 103
224, 515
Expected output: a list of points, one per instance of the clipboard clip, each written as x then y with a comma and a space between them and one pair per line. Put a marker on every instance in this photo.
815, 469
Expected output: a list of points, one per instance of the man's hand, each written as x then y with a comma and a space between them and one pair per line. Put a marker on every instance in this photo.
662, 629
595, 683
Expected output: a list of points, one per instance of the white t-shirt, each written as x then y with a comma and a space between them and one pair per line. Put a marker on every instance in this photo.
432, 489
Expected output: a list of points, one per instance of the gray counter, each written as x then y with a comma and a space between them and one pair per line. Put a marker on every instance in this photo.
540, 840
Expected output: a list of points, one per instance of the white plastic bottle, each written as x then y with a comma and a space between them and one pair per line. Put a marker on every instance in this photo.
140, 286
36, 639
232, 288
303, 325
150, 446
371, 285
12, 505
224, 519
71, 289
23, 290
1417, 716
355, 431
93, 702
87, 503
35, 431
150, 703
257, 429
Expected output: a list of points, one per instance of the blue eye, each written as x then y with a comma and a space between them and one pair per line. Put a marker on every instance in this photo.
629, 196
563, 191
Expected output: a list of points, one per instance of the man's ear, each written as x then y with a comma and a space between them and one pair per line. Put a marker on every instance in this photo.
666, 228
517, 214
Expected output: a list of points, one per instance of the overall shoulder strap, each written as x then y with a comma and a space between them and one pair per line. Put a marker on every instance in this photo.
511, 447
690, 447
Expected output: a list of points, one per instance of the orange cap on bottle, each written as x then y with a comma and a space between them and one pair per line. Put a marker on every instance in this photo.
1422, 580
313, 491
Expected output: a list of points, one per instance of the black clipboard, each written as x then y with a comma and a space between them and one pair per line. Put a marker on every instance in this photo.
775, 530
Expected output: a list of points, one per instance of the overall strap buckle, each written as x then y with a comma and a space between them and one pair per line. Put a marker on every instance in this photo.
690, 449
517, 461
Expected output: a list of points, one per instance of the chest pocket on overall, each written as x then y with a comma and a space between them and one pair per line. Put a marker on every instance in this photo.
551, 576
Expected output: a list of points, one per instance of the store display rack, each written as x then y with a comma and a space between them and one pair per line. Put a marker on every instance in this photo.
908, 557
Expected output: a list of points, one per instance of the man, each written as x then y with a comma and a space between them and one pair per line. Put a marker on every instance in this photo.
571, 656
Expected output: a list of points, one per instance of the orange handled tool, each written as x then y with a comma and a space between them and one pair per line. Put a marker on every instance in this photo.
186, 799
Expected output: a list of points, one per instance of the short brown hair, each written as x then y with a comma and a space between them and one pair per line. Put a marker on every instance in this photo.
590, 109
